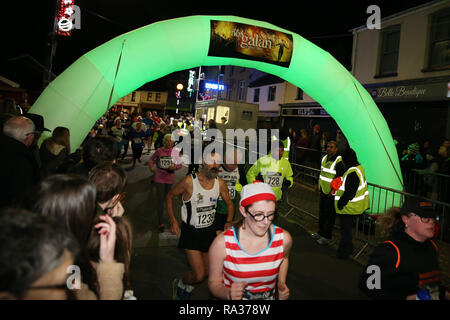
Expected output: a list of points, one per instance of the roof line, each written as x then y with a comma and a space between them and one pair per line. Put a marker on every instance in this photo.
403, 13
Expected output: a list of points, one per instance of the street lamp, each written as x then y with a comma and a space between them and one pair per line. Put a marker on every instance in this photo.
178, 94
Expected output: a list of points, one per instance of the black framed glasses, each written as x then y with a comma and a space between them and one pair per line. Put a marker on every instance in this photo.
425, 220
260, 217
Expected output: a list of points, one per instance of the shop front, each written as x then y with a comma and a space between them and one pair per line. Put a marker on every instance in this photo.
415, 109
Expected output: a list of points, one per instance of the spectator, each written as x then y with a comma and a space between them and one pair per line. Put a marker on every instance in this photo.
39, 128
19, 168
341, 141
54, 150
316, 135
95, 151
35, 253
324, 141
7, 110
413, 159
295, 136
315, 138
71, 199
409, 261
122, 254
302, 146
212, 124
109, 180
425, 151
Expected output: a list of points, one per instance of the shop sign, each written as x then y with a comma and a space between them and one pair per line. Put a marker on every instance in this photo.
434, 91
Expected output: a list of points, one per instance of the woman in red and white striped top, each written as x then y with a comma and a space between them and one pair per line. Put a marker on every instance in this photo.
250, 260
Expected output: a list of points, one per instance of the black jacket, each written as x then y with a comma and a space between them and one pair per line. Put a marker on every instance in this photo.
19, 171
403, 275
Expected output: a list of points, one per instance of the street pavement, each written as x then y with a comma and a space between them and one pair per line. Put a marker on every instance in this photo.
314, 274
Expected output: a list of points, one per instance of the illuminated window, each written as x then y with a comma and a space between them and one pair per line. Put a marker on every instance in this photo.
210, 114
222, 112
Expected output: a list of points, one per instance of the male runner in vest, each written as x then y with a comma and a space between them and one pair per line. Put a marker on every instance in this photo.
229, 172
352, 198
200, 192
331, 167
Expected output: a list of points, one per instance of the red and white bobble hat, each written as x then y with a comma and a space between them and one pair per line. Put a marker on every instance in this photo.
256, 191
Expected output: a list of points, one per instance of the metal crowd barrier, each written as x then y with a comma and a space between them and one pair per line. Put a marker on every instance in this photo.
381, 198
366, 229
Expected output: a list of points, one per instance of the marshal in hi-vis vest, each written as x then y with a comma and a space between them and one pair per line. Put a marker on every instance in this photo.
327, 173
360, 201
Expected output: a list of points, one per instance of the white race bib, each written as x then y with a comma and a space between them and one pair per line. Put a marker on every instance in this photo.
165, 162
274, 179
205, 216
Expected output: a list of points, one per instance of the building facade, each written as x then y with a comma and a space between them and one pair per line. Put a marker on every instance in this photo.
405, 66
143, 100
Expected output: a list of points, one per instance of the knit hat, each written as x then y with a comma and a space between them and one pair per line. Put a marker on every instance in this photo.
256, 192
414, 146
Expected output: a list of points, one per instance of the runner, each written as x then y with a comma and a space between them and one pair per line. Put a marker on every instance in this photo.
274, 170
229, 172
200, 192
250, 261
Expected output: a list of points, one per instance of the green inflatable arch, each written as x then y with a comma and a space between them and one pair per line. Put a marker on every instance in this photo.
79, 96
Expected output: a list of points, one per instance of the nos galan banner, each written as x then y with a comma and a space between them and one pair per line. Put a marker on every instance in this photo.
238, 40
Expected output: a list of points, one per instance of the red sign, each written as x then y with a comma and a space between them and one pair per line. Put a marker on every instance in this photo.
64, 17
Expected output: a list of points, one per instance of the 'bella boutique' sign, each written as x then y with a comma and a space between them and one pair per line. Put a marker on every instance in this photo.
434, 91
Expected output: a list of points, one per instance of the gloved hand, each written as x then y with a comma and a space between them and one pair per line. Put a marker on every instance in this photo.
286, 183
339, 205
335, 184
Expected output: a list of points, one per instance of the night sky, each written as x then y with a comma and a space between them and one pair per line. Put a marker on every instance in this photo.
26, 24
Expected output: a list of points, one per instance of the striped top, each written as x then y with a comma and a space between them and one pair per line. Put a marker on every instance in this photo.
259, 270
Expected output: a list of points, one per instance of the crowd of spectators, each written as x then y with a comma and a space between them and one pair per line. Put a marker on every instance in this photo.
63, 208
307, 148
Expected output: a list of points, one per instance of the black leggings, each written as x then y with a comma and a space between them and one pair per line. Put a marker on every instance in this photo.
137, 151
